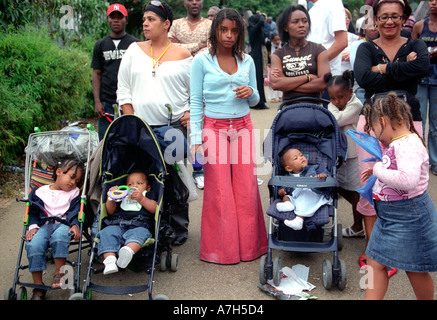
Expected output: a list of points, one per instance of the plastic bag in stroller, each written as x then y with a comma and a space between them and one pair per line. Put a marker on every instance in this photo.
44, 150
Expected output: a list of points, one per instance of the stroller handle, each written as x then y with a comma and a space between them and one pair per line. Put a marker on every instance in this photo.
304, 99
170, 113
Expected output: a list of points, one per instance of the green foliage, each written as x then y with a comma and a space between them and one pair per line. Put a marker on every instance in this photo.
40, 85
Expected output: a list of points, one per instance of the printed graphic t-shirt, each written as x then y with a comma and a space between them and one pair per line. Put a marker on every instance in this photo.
304, 63
107, 56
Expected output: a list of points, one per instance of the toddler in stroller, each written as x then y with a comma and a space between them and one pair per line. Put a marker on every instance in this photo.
129, 220
53, 219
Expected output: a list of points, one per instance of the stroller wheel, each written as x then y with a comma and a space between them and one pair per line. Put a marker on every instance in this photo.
277, 273
327, 274
161, 297
174, 262
22, 293
342, 277
8, 294
76, 296
163, 264
262, 270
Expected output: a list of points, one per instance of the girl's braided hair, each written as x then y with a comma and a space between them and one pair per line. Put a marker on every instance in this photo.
346, 79
392, 107
66, 165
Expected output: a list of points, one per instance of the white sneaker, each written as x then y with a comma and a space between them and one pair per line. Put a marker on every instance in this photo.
110, 266
125, 255
200, 182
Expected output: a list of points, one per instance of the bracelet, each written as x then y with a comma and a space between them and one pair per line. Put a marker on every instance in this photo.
308, 78
379, 69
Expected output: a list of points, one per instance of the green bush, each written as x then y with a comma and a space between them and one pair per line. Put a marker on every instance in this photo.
40, 85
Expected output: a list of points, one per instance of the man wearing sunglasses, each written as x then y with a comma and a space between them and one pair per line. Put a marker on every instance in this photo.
107, 55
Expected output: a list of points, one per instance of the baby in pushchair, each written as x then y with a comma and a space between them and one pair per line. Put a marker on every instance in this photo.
128, 221
303, 201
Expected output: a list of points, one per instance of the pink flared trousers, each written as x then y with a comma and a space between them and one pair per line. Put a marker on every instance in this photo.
233, 227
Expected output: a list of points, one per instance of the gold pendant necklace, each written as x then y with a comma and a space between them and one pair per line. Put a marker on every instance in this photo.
155, 63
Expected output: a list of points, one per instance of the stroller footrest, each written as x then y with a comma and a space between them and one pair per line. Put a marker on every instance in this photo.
118, 290
320, 218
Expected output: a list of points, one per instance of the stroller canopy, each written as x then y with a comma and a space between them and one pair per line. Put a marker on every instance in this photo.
306, 122
130, 144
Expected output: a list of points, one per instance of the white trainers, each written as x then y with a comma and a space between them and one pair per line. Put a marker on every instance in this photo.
125, 255
200, 182
110, 265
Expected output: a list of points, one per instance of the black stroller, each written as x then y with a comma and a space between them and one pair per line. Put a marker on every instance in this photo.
130, 144
313, 130
43, 151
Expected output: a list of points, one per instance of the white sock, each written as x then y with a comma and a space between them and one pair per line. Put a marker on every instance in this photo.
285, 206
110, 266
125, 255
296, 223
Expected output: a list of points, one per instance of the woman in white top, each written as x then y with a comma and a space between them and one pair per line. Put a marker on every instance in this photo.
155, 72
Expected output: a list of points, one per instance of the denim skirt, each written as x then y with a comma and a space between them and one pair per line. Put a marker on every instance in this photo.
405, 234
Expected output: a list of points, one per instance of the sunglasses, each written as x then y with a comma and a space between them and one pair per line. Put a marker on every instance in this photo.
157, 3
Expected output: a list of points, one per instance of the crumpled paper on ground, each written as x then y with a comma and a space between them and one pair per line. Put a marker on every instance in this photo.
293, 283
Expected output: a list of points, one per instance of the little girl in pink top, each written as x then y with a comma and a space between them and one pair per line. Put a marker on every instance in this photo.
53, 216
404, 235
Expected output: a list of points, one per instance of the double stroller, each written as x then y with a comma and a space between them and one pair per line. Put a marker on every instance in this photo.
130, 144
44, 150
313, 130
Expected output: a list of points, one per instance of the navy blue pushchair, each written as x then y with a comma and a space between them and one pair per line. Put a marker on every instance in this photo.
131, 144
313, 130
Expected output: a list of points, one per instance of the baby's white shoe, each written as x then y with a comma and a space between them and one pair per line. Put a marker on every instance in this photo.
285, 206
110, 265
296, 223
125, 255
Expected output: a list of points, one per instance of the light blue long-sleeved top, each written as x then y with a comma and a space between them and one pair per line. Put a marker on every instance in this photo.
210, 84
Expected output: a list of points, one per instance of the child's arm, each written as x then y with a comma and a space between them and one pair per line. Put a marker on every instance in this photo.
409, 158
347, 116
365, 175
281, 192
146, 203
322, 176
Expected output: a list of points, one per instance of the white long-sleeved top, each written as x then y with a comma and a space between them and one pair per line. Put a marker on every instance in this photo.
348, 119
148, 94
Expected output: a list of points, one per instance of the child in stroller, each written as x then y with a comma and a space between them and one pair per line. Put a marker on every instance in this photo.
128, 221
53, 220
303, 201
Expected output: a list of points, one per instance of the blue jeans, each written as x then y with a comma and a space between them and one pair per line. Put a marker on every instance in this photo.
112, 237
404, 235
427, 96
55, 235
